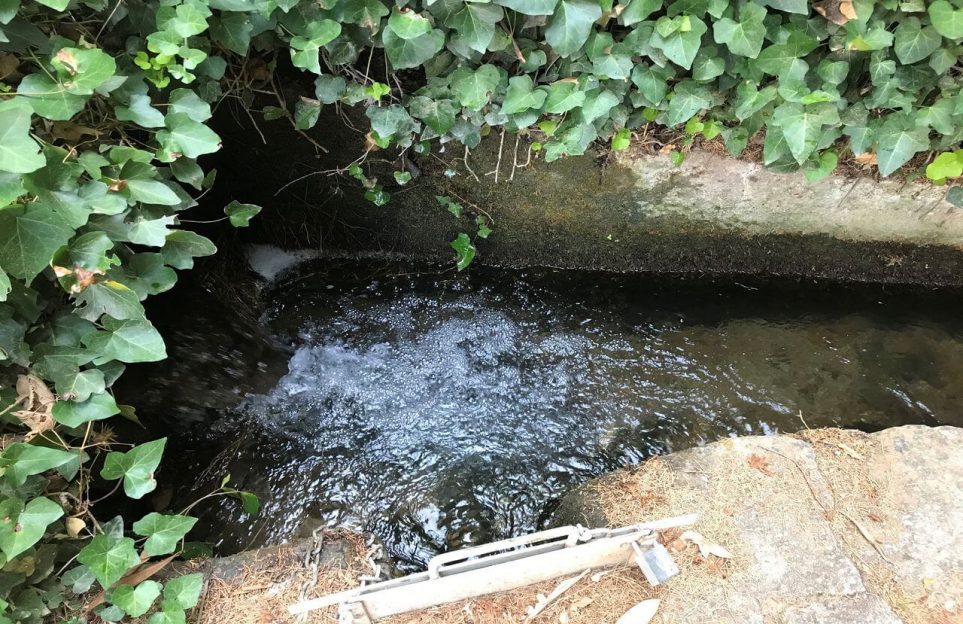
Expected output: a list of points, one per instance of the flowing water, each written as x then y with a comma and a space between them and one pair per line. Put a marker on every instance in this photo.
439, 410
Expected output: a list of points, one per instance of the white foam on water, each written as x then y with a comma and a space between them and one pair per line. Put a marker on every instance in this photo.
269, 261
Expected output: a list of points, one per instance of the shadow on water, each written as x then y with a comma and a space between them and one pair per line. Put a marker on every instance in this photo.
439, 410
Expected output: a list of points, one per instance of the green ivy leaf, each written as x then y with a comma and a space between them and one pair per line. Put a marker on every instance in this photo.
475, 23
407, 24
233, 31
79, 385
22, 526
681, 46
111, 298
947, 20
522, 95
439, 115
109, 558
86, 69
19, 153
168, 616
822, 167
637, 10
897, 141
621, 140
22, 460
946, 165
915, 42
464, 250
187, 102
183, 592
571, 23
135, 601
802, 125
563, 96
305, 49
140, 111
29, 236
474, 88
187, 137
745, 37
241, 214
688, 99
790, 6
127, 341
152, 192
530, 7
183, 246
97, 407
50, 99
136, 467
163, 532
408, 53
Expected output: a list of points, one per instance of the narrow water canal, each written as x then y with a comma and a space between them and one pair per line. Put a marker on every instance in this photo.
438, 410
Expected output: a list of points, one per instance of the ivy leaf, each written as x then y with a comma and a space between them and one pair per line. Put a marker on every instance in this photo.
168, 616
111, 298
109, 558
305, 49
897, 141
947, 20
408, 53
621, 140
163, 532
571, 24
439, 115
135, 601
637, 10
407, 24
790, 6
681, 46
136, 467
183, 246
19, 153
50, 99
22, 526
29, 236
475, 23
188, 102
464, 251
365, 13
563, 96
530, 7
745, 37
329, 89
88, 69
474, 88
915, 42
946, 165
79, 385
183, 592
152, 192
97, 407
522, 95
240, 214
128, 341
188, 137
688, 99
233, 31
816, 171
388, 121
651, 82
802, 125
306, 113
56, 5
22, 460
140, 111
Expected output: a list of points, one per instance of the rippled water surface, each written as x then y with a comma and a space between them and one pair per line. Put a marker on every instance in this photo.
439, 410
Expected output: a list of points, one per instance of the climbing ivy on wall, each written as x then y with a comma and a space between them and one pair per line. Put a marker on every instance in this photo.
104, 122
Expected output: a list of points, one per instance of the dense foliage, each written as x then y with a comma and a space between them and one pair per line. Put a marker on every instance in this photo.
104, 111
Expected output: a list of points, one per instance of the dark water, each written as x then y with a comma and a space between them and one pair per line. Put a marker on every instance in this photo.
438, 410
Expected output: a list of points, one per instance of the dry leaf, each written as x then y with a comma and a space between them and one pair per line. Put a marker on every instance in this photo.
70, 132
849, 451
141, 573
641, 613
75, 526
865, 159
836, 11
8, 65
760, 463
706, 547
36, 402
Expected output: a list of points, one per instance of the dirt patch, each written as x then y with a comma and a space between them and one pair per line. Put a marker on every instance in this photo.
259, 588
